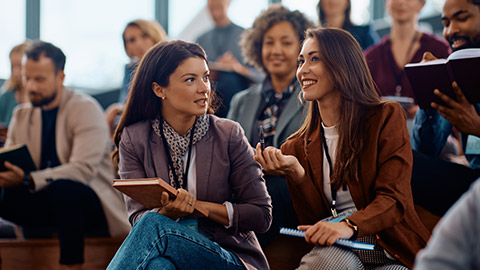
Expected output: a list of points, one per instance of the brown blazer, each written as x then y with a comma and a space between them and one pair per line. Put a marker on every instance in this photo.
383, 195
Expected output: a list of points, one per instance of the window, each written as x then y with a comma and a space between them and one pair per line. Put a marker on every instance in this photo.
89, 32
12, 23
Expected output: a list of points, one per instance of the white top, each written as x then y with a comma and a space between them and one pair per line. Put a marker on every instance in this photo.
344, 198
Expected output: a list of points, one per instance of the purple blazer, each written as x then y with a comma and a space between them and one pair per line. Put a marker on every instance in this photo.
226, 171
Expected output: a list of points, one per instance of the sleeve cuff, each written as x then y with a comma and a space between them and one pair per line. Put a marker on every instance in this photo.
230, 214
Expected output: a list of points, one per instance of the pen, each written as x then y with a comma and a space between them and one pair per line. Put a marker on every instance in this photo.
262, 137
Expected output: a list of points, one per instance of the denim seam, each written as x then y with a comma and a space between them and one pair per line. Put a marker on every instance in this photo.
174, 233
148, 254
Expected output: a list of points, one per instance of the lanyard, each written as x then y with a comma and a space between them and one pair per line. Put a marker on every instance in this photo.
393, 66
169, 158
333, 207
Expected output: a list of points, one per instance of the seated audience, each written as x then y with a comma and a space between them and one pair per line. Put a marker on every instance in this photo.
70, 194
437, 183
13, 90
455, 241
138, 37
405, 44
167, 131
229, 72
272, 45
352, 155
336, 13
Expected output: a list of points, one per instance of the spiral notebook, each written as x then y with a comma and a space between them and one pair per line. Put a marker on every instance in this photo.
340, 242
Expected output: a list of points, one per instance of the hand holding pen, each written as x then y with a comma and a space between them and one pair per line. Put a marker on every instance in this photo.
261, 135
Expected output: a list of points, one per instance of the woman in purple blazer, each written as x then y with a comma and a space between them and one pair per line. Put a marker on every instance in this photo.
166, 131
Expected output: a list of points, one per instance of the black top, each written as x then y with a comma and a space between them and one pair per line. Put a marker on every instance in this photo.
49, 158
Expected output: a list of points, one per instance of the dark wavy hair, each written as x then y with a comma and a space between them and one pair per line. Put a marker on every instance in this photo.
347, 68
157, 65
252, 39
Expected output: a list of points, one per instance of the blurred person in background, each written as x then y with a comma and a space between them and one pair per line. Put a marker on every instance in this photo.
405, 44
138, 37
12, 91
336, 13
228, 69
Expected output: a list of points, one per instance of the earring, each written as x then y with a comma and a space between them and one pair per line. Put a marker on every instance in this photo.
163, 98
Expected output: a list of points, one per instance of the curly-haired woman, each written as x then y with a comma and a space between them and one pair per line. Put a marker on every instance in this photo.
272, 45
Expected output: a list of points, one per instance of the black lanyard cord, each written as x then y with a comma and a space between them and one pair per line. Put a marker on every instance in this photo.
169, 158
393, 66
333, 207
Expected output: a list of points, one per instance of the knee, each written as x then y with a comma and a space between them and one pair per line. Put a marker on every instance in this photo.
152, 222
330, 258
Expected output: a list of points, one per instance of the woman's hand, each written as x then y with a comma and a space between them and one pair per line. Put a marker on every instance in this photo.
275, 163
326, 233
181, 206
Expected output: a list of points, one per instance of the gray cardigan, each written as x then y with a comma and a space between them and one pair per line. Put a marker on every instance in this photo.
244, 106
226, 171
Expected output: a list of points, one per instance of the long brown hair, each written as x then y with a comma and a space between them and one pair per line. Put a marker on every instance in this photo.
157, 65
348, 71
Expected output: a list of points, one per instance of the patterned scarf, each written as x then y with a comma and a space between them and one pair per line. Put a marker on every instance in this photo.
179, 145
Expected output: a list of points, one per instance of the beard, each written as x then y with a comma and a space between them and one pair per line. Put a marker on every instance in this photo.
44, 100
470, 44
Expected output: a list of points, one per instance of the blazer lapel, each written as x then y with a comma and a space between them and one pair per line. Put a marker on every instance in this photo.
250, 110
204, 149
292, 108
314, 157
34, 135
158, 162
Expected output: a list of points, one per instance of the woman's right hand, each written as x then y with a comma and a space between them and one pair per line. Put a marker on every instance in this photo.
181, 206
275, 163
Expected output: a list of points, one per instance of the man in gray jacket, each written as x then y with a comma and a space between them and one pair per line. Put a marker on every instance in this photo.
70, 191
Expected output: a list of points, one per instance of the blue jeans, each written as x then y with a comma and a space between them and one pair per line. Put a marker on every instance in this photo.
157, 242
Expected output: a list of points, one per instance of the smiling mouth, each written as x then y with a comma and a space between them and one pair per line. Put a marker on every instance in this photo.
457, 42
308, 83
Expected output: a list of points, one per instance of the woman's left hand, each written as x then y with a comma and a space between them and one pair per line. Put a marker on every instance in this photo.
325, 233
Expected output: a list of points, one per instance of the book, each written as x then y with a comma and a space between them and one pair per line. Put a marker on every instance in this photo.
340, 242
148, 192
17, 155
405, 102
461, 66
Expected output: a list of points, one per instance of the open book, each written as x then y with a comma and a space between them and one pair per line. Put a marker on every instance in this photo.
461, 66
17, 155
148, 192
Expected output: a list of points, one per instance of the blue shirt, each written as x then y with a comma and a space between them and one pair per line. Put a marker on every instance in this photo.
430, 133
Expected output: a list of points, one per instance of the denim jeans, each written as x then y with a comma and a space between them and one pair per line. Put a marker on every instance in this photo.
157, 242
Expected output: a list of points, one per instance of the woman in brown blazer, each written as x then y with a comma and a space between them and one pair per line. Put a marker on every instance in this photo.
351, 155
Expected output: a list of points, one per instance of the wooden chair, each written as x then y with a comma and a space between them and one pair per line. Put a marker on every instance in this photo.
44, 254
